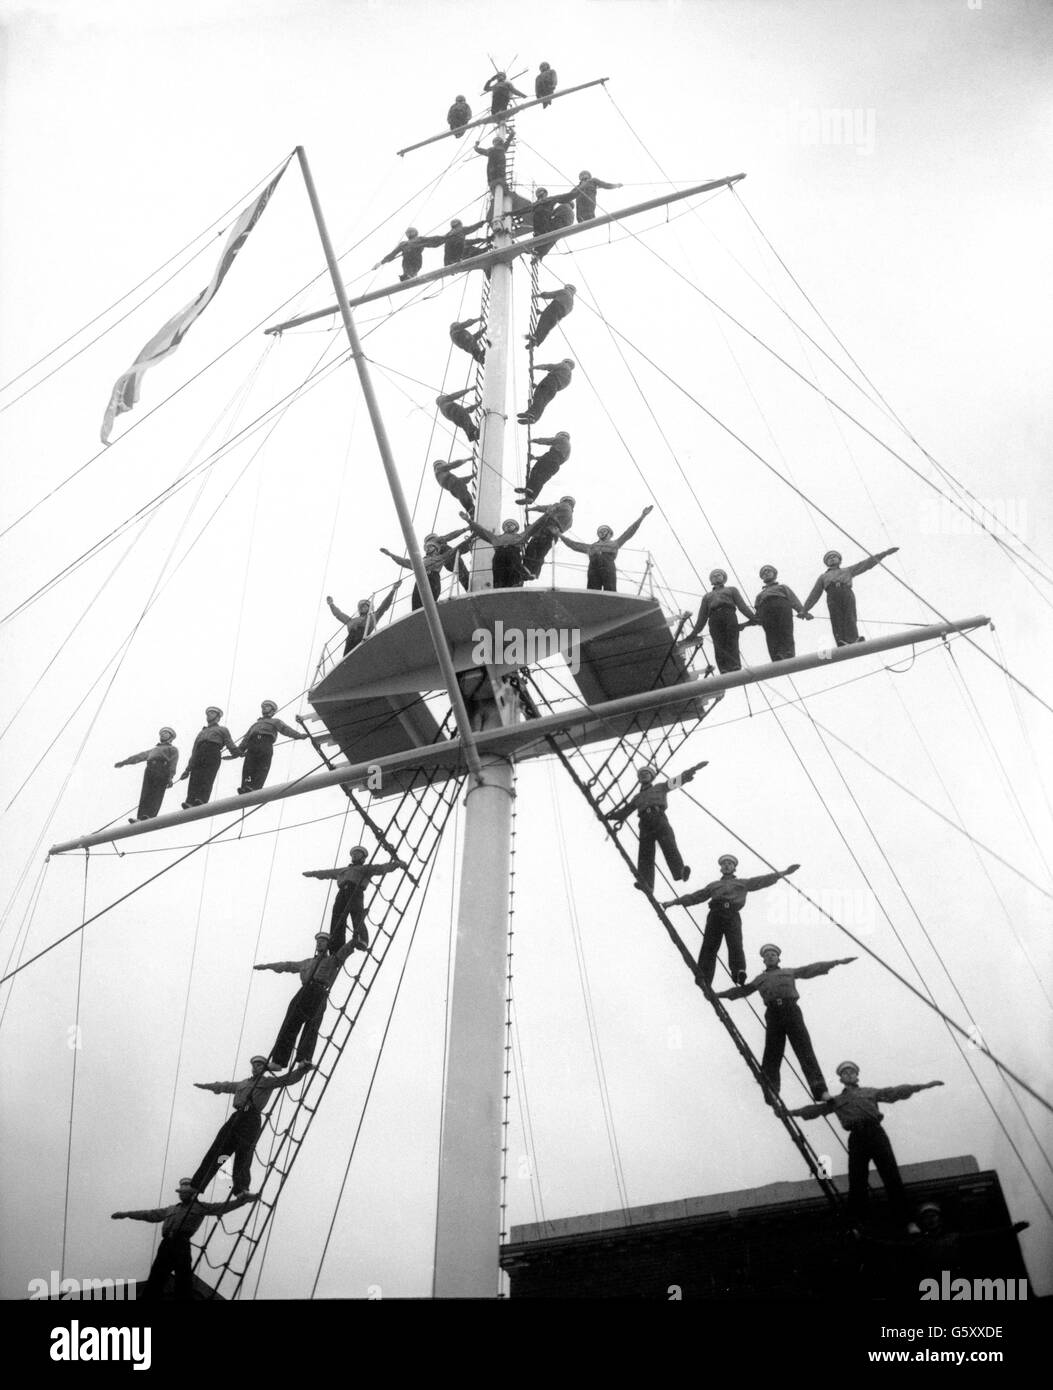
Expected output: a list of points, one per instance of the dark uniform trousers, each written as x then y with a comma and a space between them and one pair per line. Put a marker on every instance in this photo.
547, 321
155, 784
204, 764
544, 468
724, 634
868, 1143
508, 569
434, 584
776, 618
784, 1021
603, 574
544, 391
723, 923
173, 1257
257, 764
656, 830
303, 1018
841, 602
238, 1136
349, 902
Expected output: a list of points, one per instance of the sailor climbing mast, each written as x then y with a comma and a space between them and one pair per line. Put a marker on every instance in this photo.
467, 1230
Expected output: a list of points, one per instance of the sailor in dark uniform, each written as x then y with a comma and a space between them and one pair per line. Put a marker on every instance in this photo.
158, 774
562, 302
457, 414
558, 379
178, 1223
257, 747
364, 621
783, 1020
650, 803
585, 195
545, 83
456, 487
775, 606
726, 897
435, 560
459, 114
412, 252
303, 1017
205, 758
603, 554
555, 518
241, 1132
856, 1108
718, 607
496, 158
350, 900
455, 243
501, 92
509, 571
543, 467
836, 582
471, 343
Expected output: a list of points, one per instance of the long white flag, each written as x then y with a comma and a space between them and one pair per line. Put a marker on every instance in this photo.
126, 390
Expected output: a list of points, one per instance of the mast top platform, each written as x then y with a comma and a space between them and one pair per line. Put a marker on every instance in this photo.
615, 645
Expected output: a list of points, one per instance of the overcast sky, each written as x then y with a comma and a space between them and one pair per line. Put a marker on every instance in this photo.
923, 239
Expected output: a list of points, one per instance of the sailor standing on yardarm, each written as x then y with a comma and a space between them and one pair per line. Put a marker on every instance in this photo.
205, 758
836, 582
159, 774
257, 746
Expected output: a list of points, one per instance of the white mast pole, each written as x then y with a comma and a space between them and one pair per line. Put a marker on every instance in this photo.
468, 1217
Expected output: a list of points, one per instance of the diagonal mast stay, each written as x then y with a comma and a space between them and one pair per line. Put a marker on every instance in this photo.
815, 1163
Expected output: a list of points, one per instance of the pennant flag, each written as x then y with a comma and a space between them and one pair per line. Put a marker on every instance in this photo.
126, 390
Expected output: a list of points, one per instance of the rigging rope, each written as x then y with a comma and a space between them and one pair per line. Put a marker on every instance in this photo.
837, 526
373, 1077
346, 1015
969, 1035
892, 414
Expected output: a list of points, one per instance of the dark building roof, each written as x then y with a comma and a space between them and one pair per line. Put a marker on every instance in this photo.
781, 1240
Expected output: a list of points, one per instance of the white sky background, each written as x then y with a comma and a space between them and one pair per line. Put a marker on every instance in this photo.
126, 130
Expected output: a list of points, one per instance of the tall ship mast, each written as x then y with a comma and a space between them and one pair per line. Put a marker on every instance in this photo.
523, 644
